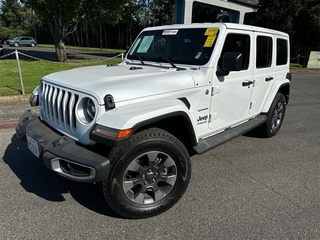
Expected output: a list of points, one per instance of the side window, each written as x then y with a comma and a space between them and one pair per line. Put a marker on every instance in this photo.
282, 51
263, 52
237, 43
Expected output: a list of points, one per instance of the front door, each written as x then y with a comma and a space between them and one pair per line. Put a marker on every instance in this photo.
231, 94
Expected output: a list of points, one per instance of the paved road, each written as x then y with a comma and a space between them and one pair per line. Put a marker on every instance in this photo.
49, 53
248, 188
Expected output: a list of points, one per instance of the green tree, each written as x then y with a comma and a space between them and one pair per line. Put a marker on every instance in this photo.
299, 18
128, 25
63, 17
163, 12
277, 14
307, 28
15, 19
99, 12
154, 12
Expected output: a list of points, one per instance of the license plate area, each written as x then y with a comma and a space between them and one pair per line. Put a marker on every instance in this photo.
33, 145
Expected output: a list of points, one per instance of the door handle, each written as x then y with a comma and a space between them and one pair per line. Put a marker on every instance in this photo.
269, 79
247, 83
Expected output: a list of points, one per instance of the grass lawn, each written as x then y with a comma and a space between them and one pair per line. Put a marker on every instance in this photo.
33, 70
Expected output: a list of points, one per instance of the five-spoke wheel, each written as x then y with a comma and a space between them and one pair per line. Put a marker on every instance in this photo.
149, 174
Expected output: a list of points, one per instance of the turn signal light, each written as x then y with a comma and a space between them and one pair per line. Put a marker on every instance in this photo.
124, 133
113, 133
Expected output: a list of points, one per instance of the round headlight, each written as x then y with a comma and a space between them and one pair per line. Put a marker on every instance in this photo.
90, 109
87, 110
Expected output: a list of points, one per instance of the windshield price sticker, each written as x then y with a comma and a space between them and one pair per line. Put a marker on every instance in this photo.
212, 34
209, 42
211, 31
170, 32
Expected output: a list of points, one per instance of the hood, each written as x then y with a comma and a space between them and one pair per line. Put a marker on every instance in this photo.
123, 82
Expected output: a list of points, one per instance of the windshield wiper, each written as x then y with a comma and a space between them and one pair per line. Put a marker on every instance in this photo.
157, 59
137, 56
166, 59
169, 61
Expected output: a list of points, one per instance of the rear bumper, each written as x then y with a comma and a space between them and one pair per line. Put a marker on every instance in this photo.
61, 154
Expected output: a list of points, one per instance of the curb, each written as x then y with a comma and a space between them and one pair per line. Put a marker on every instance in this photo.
8, 125
312, 71
11, 99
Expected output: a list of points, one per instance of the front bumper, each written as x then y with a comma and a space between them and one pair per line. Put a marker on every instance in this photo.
61, 154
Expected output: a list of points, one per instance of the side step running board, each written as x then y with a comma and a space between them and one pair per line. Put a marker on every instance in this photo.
207, 144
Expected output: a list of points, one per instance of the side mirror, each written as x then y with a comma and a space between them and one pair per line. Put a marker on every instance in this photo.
231, 61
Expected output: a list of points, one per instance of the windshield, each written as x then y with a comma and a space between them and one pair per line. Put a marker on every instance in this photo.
180, 46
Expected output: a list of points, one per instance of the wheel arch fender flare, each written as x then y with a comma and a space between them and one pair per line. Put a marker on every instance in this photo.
283, 87
139, 116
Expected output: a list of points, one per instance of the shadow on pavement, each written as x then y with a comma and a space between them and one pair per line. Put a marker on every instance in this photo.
37, 179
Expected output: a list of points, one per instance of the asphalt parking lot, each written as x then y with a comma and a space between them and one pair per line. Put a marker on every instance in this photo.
248, 188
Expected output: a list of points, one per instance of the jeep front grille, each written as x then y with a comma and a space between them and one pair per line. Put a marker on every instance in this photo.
58, 105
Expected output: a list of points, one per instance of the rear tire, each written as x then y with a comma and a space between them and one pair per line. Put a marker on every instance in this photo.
275, 117
149, 174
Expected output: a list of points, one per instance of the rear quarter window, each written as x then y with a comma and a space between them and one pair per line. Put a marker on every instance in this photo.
282, 51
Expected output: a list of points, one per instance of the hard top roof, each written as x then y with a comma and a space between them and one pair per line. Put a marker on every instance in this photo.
219, 25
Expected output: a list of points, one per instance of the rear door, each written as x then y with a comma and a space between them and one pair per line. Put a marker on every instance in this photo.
271, 64
263, 70
23, 41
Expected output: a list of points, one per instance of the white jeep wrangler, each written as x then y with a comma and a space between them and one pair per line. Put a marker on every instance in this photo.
181, 90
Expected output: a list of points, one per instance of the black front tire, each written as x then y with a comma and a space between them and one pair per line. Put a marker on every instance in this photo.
149, 174
275, 117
